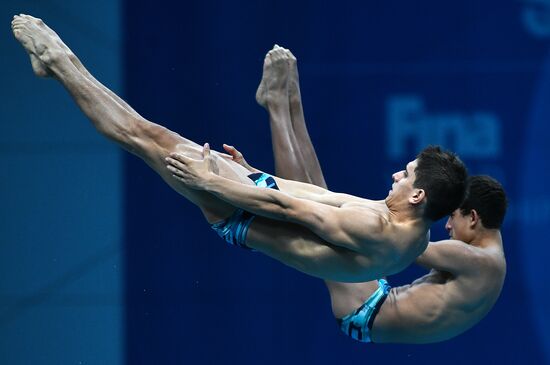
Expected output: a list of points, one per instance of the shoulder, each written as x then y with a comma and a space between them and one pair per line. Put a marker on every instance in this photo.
474, 260
368, 218
409, 236
458, 248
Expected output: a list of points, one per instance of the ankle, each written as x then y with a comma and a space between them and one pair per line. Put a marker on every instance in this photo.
51, 57
275, 98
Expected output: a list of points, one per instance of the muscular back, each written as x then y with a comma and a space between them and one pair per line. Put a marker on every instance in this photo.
443, 304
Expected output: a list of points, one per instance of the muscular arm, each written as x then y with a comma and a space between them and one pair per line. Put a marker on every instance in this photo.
344, 227
455, 257
296, 188
316, 193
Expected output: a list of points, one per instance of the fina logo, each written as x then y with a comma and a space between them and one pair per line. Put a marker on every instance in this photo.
536, 17
476, 135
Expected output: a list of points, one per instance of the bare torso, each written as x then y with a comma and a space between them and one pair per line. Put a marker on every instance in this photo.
400, 243
441, 305
377, 244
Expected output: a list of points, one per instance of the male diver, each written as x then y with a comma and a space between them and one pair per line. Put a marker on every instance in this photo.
325, 234
466, 272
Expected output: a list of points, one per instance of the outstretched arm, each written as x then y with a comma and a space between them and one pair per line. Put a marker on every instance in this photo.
452, 256
297, 189
346, 227
316, 193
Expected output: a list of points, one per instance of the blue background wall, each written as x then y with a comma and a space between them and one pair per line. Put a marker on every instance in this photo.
61, 227
379, 81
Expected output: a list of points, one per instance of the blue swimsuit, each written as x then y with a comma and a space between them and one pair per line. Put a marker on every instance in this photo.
358, 324
234, 229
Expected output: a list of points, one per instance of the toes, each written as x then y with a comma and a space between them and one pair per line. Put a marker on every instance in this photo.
31, 18
36, 20
280, 53
291, 58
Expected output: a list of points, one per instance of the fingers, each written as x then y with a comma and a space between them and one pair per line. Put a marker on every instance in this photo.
232, 151
177, 163
179, 157
175, 167
179, 178
228, 148
225, 155
178, 174
206, 150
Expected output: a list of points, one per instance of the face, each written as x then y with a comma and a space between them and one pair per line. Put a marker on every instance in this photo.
403, 181
458, 226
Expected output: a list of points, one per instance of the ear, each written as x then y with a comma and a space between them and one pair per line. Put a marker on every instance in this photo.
417, 196
474, 218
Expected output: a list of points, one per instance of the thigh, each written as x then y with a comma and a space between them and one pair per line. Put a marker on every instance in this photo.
231, 169
213, 208
153, 143
298, 247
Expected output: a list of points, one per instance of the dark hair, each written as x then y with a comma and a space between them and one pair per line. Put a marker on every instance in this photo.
442, 175
487, 197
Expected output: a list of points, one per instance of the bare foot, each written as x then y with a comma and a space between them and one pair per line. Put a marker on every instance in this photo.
37, 66
38, 41
293, 79
57, 39
274, 84
261, 93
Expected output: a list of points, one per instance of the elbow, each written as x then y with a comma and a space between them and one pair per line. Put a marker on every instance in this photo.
287, 213
295, 216
287, 210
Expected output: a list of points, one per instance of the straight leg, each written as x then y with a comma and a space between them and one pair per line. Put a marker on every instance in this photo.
295, 157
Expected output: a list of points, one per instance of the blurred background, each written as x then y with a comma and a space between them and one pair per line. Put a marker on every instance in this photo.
101, 263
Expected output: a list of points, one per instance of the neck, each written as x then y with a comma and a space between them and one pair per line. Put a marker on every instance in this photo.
487, 237
406, 213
